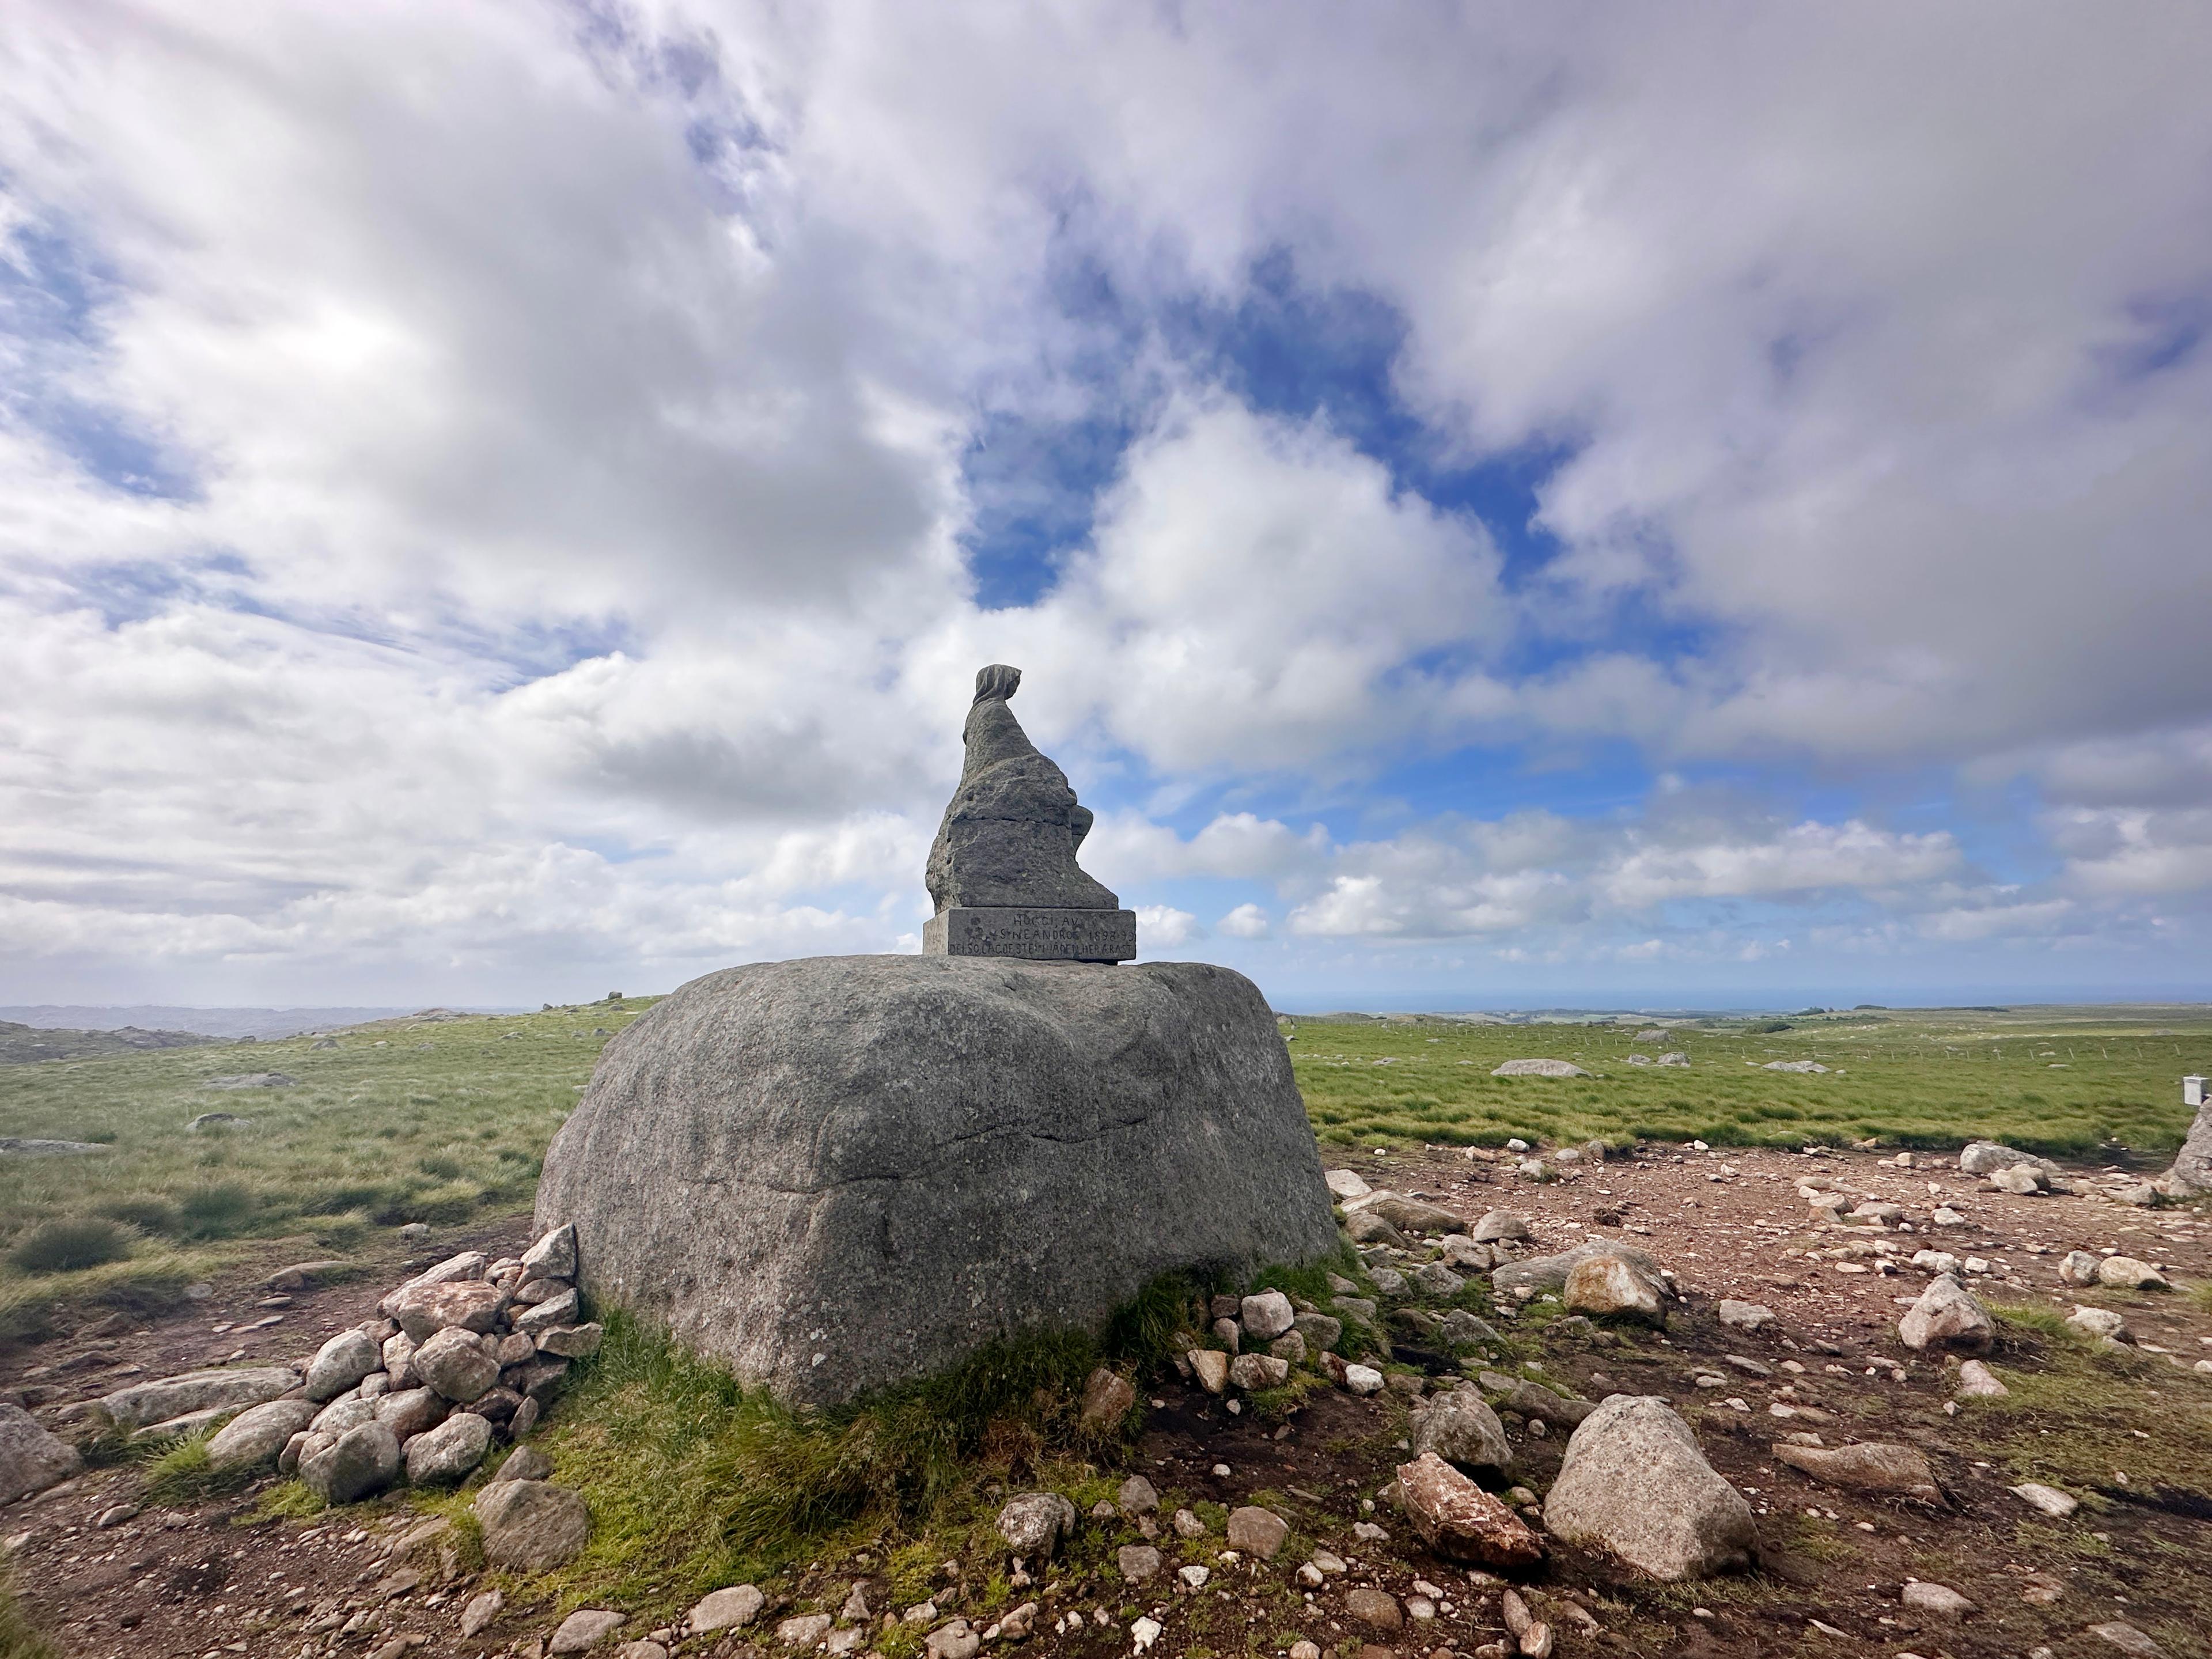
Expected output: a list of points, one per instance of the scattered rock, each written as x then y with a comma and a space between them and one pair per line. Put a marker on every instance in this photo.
304, 1276
532, 1526
1267, 1316
1211, 1368
1137, 1495
2126, 1638
254, 1438
454, 1363
1413, 1215
732, 1609
1037, 1523
1496, 1224
1107, 1397
342, 1362
1634, 1482
1345, 1183
1940, 1601
1948, 1315
1538, 1068
445, 1455
1549, 1272
1259, 1533
2100, 1323
1460, 1428
1363, 1379
31, 1459
2052, 1502
2125, 1272
1745, 1316
1138, 1562
1460, 1521
361, 1463
807, 1629
1981, 1158
585, 1628
481, 1611
1611, 1286
2079, 1268
172, 1396
1376, 1609
2021, 1180
1896, 1471
1978, 1382
1255, 1371
1809, 1065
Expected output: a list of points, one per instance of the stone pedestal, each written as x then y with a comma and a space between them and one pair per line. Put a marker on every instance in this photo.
1032, 932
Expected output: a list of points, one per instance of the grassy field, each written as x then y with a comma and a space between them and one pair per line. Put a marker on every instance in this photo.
446, 1121
440, 1121
2057, 1080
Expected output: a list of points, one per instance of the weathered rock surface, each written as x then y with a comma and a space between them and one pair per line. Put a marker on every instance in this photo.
1635, 1483
253, 1437
1496, 1224
31, 1460
1549, 1272
1939, 1600
1539, 1068
454, 1363
1981, 1158
1460, 1521
365, 1460
468, 1304
727, 1609
1107, 1397
1948, 1315
342, 1361
410, 1411
1037, 1523
1259, 1533
803, 1168
1460, 1428
1896, 1471
193, 1391
1608, 1285
1266, 1316
585, 1628
1978, 1382
2191, 1171
1745, 1316
530, 1526
447, 1454
2125, 1272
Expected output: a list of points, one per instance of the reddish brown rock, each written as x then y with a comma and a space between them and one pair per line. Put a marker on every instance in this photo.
1460, 1521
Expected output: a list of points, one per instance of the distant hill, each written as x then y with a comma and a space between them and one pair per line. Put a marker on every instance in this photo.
232, 1023
20, 1045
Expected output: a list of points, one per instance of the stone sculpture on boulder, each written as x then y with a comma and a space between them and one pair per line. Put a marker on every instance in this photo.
1002, 869
836, 1173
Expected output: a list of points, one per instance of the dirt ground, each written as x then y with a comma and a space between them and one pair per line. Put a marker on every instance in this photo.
222, 1578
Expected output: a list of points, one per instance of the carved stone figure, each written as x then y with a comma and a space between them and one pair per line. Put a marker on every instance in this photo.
1002, 869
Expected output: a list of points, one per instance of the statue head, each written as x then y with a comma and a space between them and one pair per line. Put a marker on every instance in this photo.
997, 681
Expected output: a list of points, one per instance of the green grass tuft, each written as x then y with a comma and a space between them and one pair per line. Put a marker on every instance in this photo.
69, 1246
17, 1639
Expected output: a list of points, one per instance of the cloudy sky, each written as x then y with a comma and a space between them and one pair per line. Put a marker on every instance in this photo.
1495, 505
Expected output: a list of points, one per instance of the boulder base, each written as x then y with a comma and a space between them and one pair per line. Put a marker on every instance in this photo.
838, 1172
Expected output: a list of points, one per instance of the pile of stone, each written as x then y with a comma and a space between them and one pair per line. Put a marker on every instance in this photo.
2008, 1170
469, 1351
466, 1354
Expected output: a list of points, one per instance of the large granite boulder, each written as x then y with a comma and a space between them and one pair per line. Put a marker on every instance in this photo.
838, 1172
2192, 1174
